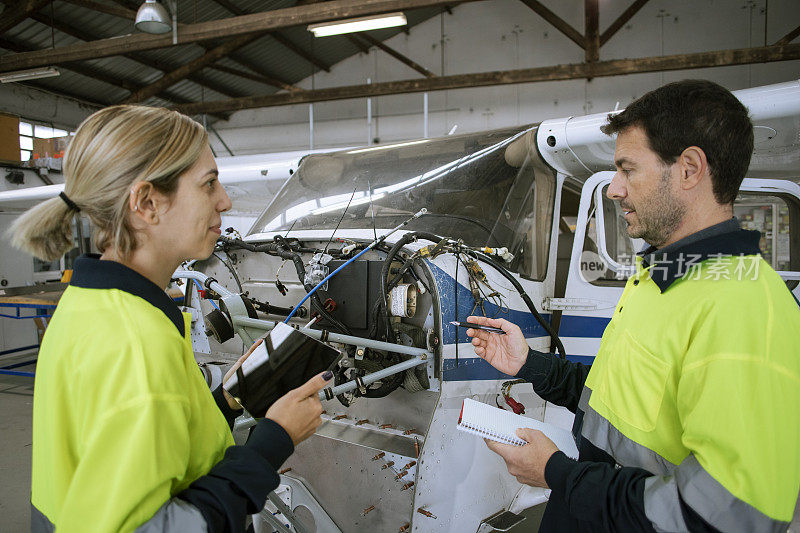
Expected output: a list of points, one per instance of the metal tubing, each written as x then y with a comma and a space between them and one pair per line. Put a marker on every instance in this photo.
286, 512
371, 378
329, 393
257, 323
199, 276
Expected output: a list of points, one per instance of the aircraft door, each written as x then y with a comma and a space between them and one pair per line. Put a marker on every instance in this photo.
603, 254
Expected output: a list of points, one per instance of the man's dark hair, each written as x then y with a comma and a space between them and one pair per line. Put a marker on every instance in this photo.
694, 113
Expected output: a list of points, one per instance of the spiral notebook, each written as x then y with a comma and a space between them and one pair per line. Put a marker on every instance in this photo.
500, 425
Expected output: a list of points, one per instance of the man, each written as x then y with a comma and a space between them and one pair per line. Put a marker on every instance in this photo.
689, 417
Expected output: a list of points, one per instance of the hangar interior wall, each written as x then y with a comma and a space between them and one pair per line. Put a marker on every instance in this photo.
506, 35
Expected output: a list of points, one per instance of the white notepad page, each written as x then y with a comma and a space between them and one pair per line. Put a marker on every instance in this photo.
500, 425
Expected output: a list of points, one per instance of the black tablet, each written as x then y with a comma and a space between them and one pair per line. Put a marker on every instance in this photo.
285, 360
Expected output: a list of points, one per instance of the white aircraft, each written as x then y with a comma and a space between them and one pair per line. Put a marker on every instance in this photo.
510, 223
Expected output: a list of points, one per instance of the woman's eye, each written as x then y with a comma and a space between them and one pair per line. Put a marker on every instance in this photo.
211, 183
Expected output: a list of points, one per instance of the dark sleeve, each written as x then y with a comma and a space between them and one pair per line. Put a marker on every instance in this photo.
238, 485
598, 492
556, 380
222, 403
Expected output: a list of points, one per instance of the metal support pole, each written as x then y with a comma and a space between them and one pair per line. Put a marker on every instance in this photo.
266, 325
369, 117
330, 393
310, 126
425, 115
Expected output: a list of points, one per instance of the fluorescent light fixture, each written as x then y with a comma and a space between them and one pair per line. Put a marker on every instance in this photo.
152, 17
375, 22
30, 74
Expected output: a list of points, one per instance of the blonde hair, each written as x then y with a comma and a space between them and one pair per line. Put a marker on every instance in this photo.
112, 150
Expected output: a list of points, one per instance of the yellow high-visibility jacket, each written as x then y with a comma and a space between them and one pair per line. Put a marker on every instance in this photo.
125, 429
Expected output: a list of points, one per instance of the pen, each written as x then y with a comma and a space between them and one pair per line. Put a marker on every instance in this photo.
478, 326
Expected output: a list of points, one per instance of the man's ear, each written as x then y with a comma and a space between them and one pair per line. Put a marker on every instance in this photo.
145, 203
693, 167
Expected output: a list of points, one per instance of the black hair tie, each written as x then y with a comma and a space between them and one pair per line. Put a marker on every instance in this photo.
72, 205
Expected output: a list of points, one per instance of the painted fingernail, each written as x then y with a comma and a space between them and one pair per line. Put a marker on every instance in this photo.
327, 375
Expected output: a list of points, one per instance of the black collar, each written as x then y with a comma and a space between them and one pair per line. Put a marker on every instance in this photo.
671, 263
90, 272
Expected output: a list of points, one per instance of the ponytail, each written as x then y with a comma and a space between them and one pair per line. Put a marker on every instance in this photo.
45, 230
112, 150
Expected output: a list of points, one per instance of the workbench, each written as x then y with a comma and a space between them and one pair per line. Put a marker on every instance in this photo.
43, 300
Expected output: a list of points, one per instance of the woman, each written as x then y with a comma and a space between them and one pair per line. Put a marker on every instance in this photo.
126, 434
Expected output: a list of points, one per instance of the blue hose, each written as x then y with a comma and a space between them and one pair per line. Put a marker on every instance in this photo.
321, 283
200, 288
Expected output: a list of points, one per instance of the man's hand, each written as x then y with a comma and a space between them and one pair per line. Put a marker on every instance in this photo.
231, 401
526, 463
298, 411
507, 353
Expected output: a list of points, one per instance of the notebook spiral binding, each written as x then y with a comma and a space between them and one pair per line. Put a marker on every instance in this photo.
483, 432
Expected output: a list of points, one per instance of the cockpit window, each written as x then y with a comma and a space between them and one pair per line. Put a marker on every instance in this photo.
483, 188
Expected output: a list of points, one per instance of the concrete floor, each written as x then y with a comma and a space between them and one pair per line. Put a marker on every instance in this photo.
16, 409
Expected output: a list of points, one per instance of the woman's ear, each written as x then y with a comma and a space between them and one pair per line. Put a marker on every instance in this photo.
145, 203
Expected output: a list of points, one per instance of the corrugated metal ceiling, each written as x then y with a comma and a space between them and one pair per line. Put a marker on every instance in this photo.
117, 75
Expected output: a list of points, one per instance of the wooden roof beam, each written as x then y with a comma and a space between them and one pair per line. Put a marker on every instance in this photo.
789, 37
108, 9
591, 15
130, 14
216, 29
171, 78
244, 74
622, 20
311, 58
557, 22
357, 43
19, 11
83, 35
397, 55
617, 67
100, 75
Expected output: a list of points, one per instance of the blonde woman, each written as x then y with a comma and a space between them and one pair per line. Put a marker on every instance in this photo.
126, 434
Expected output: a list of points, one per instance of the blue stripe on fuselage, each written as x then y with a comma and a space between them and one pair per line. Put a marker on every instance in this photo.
571, 326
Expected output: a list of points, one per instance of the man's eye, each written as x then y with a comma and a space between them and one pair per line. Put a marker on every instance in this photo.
211, 183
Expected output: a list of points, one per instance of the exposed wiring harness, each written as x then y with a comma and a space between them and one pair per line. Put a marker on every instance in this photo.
505, 392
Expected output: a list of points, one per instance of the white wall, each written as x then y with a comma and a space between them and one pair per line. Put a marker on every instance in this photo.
43, 106
506, 34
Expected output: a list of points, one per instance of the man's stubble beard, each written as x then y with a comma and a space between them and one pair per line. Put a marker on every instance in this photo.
664, 215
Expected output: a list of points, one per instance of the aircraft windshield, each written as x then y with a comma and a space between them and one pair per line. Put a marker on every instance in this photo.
481, 188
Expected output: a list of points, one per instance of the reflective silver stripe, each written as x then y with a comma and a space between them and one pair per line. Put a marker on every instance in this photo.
583, 403
39, 522
661, 504
708, 498
175, 515
795, 527
625, 451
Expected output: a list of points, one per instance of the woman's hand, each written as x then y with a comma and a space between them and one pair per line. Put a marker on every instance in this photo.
507, 353
298, 411
231, 401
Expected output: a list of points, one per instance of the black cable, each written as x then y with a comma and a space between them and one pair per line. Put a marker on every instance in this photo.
525, 298
230, 269
408, 237
456, 304
340, 219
